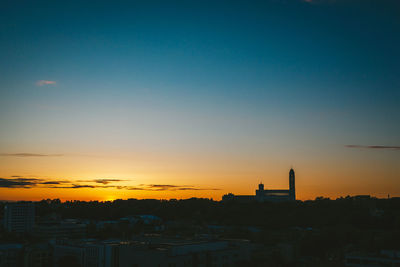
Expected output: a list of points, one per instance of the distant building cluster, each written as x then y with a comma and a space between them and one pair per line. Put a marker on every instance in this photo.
264, 195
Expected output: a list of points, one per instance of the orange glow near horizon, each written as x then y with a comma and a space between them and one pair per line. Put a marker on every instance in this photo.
166, 176
106, 195
305, 190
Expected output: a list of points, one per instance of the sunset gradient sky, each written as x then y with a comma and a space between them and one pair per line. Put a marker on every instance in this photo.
163, 99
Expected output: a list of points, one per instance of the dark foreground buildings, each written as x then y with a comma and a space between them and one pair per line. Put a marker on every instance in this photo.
262, 195
152, 252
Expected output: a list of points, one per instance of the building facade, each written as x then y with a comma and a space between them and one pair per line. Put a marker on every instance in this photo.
19, 217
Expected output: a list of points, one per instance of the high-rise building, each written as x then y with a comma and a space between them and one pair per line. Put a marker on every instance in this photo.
19, 217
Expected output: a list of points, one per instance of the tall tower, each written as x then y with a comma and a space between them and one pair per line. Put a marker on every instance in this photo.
260, 193
292, 189
261, 187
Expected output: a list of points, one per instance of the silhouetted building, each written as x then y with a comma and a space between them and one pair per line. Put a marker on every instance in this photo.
19, 217
262, 194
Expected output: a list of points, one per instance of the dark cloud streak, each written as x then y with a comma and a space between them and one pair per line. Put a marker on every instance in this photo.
18, 183
29, 155
169, 187
106, 181
374, 147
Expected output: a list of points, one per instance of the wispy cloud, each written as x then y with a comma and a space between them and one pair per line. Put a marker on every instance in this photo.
55, 182
195, 189
157, 187
374, 147
170, 187
29, 155
107, 181
82, 186
45, 82
133, 188
101, 181
161, 186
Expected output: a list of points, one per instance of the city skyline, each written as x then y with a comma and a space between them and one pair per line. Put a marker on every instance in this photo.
179, 100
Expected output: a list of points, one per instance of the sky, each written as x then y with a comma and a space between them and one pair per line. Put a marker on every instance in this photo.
177, 99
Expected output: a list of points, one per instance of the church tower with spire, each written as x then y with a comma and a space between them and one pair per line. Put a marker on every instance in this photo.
292, 188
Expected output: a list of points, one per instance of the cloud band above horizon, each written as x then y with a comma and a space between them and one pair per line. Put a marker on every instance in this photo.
27, 183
